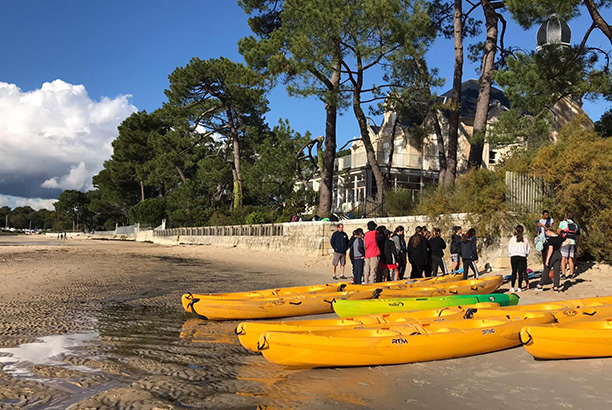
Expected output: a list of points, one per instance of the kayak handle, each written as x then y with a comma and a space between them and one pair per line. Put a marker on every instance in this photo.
262, 343
469, 313
377, 293
592, 313
342, 287
192, 307
239, 329
521, 339
453, 291
295, 303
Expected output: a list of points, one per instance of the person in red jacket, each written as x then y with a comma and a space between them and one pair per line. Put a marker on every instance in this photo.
372, 253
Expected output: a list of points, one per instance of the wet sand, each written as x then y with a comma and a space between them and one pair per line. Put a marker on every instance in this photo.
98, 324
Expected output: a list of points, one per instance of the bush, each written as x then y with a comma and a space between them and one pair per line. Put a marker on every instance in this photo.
149, 212
399, 202
480, 193
579, 171
255, 218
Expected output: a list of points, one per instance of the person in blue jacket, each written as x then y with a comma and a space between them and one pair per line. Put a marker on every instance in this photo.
469, 254
340, 243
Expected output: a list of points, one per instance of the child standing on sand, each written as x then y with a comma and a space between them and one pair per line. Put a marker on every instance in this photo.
518, 250
357, 254
455, 248
437, 246
469, 254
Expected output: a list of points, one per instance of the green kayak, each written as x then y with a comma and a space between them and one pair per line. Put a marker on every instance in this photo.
348, 308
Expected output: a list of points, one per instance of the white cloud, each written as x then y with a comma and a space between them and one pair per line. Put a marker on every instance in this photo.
78, 178
55, 137
36, 203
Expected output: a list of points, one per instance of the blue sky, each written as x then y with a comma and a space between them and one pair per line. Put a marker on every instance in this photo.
116, 48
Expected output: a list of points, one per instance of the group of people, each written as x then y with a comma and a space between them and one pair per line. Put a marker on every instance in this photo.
557, 246
382, 255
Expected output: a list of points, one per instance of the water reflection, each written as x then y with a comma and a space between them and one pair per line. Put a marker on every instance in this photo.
45, 351
269, 386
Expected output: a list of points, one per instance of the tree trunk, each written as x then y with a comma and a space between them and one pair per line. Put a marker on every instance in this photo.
484, 93
180, 174
329, 153
367, 143
237, 200
455, 113
598, 19
142, 193
441, 148
391, 152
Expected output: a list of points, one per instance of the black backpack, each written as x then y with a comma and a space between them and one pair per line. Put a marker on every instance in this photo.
572, 231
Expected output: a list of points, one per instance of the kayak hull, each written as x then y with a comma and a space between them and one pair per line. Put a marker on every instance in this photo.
347, 308
586, 339
412, 343
264, 308
250, 332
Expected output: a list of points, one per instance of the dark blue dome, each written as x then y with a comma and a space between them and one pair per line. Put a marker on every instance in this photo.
554, 31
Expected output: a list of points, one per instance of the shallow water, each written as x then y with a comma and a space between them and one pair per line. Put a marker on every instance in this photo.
179, 361
34, 243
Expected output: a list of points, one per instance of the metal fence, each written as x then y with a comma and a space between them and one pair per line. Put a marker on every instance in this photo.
525, 193
233, 230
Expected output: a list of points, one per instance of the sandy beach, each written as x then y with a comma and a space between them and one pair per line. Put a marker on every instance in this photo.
98, 324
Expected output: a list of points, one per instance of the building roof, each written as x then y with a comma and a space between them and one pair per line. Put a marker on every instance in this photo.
469, 98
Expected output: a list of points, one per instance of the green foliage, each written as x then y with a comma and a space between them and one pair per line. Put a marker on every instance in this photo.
227, 99
399, 203
186, 207
529, 12
149, 212
513, 127
480, 193
604, 125
579, 170
535, 82
255, 218
74, 206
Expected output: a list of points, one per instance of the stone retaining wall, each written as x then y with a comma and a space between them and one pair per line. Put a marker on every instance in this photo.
311, 238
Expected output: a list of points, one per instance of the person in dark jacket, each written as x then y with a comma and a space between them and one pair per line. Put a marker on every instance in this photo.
339, 242
381, 237
400, 245
437, 246
391, 257
469, 254
455, 248
427, 235
357, 255
417, 254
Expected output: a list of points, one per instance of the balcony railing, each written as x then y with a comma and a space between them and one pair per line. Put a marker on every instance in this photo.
401, 160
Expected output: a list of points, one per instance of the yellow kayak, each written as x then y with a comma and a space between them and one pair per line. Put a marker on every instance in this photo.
399, 344
480, 286
408, 283
265, 308
561, 305
329, 288
573, 340
249, 332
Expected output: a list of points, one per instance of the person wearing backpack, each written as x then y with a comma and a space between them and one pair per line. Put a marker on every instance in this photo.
568, 229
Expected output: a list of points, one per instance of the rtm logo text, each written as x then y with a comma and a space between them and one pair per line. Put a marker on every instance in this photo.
488, 331
399, 341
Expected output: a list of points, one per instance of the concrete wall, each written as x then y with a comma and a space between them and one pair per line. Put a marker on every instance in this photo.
312, 238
